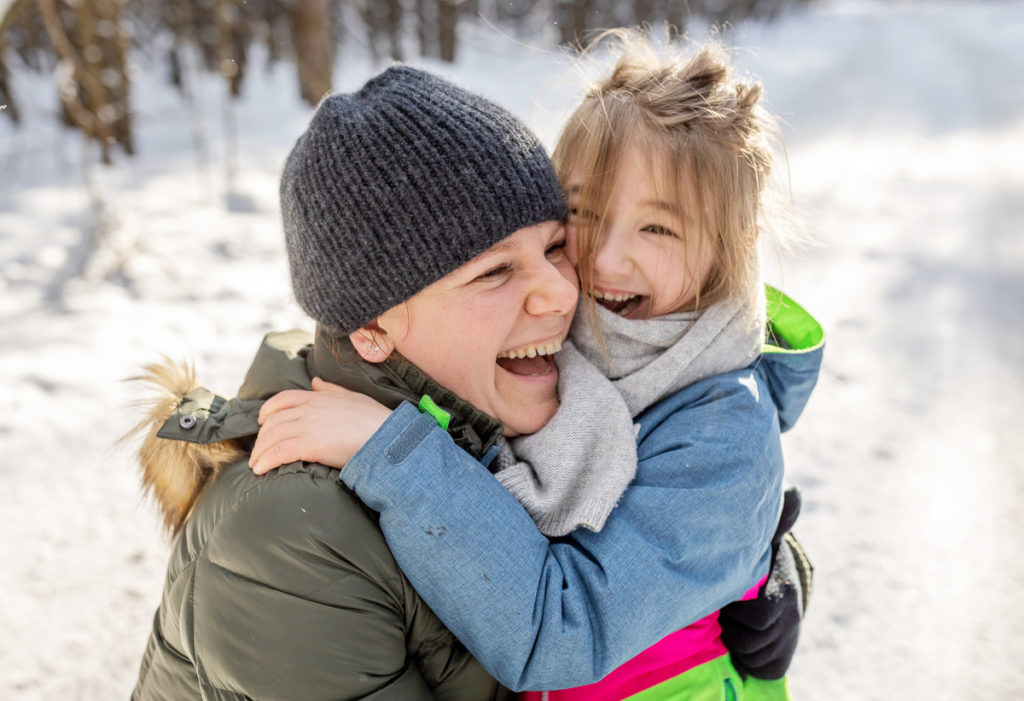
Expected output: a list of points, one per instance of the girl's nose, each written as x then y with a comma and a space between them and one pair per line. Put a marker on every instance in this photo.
612, 257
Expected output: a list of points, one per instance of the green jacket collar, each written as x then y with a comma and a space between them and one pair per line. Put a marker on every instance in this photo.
791, 329
290, 360
333, 358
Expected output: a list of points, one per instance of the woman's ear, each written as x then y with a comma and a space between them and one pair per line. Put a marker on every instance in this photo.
372, 343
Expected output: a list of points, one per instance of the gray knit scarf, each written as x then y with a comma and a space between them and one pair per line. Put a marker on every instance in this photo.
571, 473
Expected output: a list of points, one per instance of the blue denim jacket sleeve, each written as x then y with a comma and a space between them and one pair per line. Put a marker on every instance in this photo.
690, 535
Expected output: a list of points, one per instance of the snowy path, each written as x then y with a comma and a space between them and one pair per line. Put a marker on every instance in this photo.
906, 143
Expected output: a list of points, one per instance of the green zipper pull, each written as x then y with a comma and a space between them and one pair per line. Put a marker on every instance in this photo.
428, 406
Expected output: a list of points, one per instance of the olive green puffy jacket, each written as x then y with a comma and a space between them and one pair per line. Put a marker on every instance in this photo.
278, 587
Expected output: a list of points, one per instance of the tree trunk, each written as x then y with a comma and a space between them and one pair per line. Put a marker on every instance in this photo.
676, 14
447, 16
571, 17
643, 12
515, 12
426, 28
230, 61
369, 10
91, 52
82, 95
311, 37
7, 104
394, 24
119, 46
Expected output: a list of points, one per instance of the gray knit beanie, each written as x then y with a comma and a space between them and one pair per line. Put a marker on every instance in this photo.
393, 187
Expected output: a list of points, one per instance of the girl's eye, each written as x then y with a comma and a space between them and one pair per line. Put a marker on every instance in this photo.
577, 213
659, 230
495, 272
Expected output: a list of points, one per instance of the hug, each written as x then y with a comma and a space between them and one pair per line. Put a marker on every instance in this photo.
533, 446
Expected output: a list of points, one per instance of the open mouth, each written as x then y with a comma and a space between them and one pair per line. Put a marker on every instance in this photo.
532, 360
621, 303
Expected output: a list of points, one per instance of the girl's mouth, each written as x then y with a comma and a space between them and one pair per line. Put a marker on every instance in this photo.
621, 303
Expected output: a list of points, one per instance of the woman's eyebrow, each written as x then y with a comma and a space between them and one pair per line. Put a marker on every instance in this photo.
502, 247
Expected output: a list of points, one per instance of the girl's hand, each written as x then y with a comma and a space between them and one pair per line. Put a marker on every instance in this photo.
328, 425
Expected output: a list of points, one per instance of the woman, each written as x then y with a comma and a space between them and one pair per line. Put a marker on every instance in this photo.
283, 586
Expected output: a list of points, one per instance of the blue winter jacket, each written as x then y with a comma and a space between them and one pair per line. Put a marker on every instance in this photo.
543, 614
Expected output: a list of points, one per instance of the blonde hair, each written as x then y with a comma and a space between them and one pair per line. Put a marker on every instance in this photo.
706, 131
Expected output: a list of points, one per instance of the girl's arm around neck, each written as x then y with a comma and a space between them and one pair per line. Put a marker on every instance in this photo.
691, 534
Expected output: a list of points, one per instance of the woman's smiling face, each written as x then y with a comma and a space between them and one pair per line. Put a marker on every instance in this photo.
486, 331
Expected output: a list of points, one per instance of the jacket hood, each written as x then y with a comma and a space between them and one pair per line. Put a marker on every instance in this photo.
792, 355
190, 433
174, 471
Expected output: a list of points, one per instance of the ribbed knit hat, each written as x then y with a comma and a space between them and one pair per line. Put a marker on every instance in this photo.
396, 185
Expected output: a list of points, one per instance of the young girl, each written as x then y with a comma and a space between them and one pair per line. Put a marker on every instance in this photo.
665, 165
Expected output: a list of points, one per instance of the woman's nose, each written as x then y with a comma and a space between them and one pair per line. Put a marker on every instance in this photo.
555, 290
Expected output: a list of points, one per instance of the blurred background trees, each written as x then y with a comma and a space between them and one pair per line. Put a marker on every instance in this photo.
86, 44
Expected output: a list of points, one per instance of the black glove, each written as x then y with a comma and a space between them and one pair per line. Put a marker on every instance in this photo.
762, 633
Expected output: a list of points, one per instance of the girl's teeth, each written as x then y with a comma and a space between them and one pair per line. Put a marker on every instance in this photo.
613, 297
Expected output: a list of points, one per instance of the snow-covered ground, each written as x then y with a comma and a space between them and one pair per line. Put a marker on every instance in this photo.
905, 128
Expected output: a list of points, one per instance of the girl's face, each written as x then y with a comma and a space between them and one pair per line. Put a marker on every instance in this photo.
467, 330
643, 267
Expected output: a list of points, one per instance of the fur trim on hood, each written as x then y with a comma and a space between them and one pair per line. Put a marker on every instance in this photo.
174, 472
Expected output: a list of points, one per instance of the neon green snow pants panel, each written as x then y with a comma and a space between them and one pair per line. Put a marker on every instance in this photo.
716, 680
